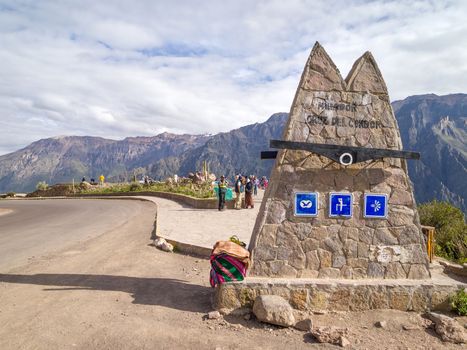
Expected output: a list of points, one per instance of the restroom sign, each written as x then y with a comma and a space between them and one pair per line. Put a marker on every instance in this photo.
306, 204
376, 206
340, 205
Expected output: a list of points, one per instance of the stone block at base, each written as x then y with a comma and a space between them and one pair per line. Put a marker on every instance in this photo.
341, 294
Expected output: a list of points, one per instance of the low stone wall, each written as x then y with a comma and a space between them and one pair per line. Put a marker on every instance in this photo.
451, 268
340, 295
198, 203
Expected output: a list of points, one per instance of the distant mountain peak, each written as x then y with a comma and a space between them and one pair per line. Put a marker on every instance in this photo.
276, 116
171, 136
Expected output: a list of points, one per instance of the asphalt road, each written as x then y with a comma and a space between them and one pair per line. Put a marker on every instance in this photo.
37, 227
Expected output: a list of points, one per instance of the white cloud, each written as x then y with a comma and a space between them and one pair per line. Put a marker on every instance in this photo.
117, 69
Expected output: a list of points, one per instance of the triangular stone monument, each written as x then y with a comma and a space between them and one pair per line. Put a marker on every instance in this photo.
323, 218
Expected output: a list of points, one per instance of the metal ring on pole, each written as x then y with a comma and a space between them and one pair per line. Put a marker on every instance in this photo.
342, 159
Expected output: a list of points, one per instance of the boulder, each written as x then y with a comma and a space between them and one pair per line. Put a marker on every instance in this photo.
448, 328
85, 185
273, 309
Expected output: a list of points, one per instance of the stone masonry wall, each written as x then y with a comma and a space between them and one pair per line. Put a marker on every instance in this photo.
354, 112
330, 295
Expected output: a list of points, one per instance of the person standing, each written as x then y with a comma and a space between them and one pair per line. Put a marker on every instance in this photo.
266, 183
101, 180
222, 190
255, 185
249, 193
238, 192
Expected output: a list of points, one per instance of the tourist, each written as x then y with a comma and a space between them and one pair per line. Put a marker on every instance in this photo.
255, 185
249, 193
265, 182
222, 190
102, 179
238, 192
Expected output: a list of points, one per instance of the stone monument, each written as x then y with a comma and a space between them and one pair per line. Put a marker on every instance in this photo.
338, 227
325, 243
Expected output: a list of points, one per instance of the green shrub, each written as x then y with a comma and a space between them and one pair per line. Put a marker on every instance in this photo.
459, 302
188, 189
134, 187
42, 186
11, 194
451, 229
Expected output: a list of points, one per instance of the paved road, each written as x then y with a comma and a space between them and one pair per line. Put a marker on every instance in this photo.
115, 291
31, 228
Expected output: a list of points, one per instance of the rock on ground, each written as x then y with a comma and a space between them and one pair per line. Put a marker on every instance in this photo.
409, 327
161, 243
332, 335
381, 324
214, 315
304, 325
274, 309
448, 329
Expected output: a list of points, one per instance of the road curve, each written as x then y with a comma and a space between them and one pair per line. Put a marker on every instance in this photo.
36, 227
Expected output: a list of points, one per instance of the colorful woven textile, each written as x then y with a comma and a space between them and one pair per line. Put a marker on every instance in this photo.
226, 268
232, 249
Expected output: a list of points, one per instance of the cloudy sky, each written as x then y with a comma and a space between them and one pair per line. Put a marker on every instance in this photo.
141, 67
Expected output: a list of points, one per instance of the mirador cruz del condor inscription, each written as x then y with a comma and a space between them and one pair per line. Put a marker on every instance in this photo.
318, 119
313, 119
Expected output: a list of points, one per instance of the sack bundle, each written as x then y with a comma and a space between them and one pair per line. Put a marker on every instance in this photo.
229, 262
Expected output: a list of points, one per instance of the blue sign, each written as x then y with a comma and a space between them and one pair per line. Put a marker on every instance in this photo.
306, 204
376, 206
340, 205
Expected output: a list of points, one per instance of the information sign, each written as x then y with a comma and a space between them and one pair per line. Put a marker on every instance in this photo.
376, 206
306, 204
340, 205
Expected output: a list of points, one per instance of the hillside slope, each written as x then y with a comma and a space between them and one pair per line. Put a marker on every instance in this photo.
436, 126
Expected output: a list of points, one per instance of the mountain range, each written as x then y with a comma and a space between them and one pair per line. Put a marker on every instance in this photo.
434, 125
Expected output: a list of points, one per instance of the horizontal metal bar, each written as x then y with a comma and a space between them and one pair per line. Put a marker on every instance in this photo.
268, 154
334, 152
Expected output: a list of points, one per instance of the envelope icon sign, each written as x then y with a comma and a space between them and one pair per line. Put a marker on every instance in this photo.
306, 203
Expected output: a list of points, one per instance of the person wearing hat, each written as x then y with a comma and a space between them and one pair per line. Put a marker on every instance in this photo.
223, 184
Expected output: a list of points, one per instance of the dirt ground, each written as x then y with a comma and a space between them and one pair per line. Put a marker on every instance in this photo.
116, 291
